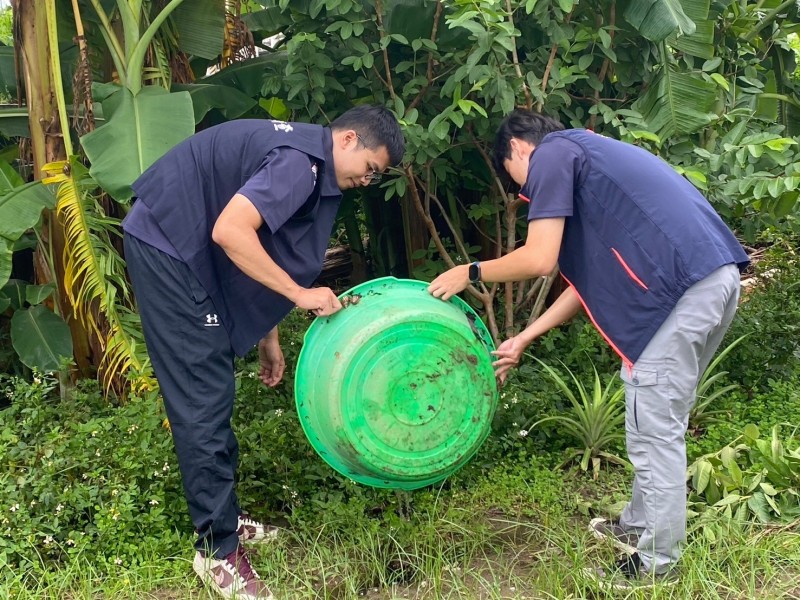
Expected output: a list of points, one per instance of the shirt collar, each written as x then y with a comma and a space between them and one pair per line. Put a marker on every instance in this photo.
329, 186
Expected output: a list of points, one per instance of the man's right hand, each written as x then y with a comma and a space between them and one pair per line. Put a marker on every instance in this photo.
508, 353
321, 301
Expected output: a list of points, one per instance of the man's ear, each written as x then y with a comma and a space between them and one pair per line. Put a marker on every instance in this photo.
348, 137
515, 147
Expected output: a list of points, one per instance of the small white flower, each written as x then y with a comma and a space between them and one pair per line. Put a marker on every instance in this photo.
505, 406
523, 432
117, 561
294, 494
165, 467
133, 428
515, 424
97, 452
59, 508
94, 433
48, 539
15, 507
37, 380
153, 502
33, 503
278, 412
85, 476
70, 542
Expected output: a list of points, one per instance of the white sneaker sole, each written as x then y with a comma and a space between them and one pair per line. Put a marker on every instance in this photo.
627, 548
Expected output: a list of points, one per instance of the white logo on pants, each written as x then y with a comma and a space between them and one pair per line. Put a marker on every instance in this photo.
212, 320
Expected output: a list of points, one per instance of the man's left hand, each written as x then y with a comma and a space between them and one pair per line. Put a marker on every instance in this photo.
270, 356
450, 282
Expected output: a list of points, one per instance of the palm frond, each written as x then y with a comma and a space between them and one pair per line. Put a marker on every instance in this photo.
94, 274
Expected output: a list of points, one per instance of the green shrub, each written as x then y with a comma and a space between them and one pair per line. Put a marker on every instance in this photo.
83, 475
755, 480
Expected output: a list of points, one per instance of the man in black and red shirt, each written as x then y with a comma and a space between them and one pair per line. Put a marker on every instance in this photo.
655, 269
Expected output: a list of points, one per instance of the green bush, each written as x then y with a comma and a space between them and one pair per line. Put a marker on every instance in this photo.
80, 475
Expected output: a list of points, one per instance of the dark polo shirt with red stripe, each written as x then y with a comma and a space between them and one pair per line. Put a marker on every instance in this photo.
637, 234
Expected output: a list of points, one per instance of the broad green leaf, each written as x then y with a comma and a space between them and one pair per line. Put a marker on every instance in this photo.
9, 178
20, 209
751, 432
35, 294
275, 108
14, 122
269, 21
4, 304
14, 290
786, 204
656, 19
141, 129
248, 76
229, 101
758, 504
666, 105
41, 338
721, 81
728, 500
702, 476
201, 27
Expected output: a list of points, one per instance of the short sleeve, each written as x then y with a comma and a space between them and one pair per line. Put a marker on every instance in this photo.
281, 186
554, 169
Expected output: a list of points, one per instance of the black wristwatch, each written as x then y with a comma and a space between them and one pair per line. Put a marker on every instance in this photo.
475, 272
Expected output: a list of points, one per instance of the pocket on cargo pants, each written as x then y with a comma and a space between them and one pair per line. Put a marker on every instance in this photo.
648, 414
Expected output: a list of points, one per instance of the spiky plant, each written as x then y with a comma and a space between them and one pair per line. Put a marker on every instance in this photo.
596, 419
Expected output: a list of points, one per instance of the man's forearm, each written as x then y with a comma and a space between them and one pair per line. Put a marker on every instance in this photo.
566, 306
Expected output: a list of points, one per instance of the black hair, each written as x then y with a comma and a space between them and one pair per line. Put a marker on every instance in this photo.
523, 125
376, 127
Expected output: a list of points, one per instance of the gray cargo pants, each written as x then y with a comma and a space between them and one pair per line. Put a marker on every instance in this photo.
659, 393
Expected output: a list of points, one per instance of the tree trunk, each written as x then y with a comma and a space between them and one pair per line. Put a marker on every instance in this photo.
47, 146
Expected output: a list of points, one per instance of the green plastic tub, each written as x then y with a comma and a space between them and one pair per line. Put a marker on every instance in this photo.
397, 390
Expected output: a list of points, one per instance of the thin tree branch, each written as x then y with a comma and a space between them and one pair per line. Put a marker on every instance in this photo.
429, 73
515, 59
382, 33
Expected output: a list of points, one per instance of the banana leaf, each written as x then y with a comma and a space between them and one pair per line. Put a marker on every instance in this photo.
41, 338
657, 19
20, 209
138, 131
229, 101
676, 103
201, 27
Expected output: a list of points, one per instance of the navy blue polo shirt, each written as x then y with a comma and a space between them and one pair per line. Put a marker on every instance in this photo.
285, 170
637, 235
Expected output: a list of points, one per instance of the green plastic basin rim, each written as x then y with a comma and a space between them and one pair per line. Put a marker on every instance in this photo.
396, 390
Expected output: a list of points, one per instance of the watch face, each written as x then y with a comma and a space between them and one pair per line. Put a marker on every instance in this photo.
474, 272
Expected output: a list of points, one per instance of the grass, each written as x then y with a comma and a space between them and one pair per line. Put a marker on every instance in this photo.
457, 544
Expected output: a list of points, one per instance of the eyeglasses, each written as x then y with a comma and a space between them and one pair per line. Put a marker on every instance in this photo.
372, 174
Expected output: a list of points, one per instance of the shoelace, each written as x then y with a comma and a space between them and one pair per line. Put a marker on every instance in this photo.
241, 564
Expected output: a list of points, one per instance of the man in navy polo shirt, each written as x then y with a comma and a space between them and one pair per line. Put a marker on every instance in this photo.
227, 235
657, 272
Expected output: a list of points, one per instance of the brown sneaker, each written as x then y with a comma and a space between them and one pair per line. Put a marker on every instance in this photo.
252, 531
232, 576
610, 529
